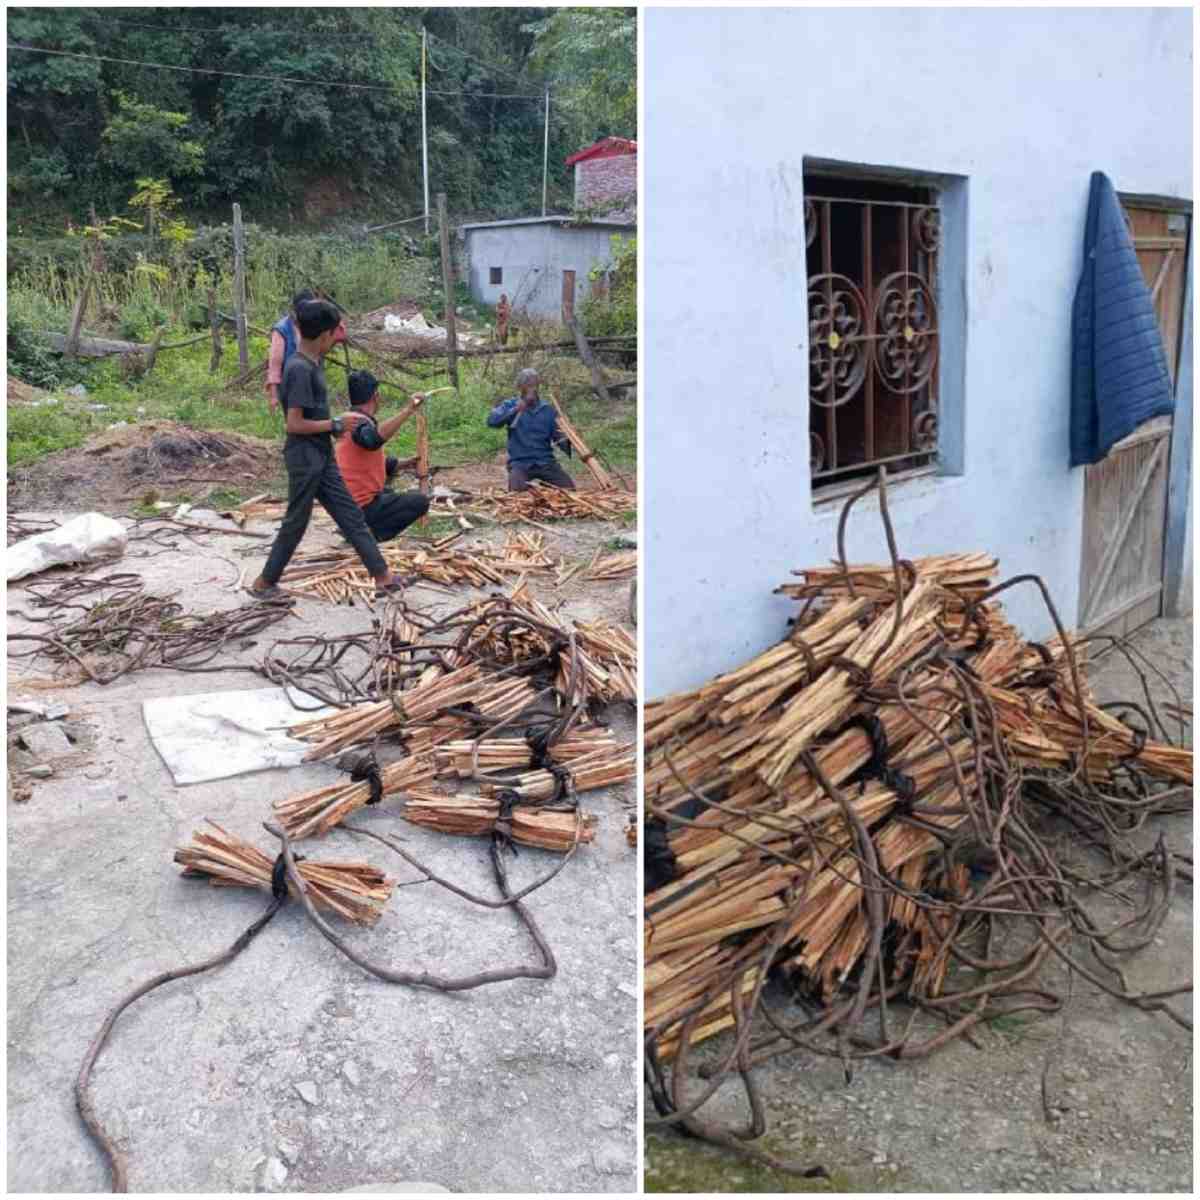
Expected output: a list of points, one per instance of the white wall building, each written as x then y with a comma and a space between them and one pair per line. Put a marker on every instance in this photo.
542, 264
941, 156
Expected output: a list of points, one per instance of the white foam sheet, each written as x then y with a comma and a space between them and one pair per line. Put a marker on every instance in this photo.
216, 735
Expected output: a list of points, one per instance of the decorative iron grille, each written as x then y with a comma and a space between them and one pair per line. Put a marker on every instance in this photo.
872, 326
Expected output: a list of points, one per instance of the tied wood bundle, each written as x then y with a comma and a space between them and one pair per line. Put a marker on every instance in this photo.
354, 890
488, 695
476, 816
456, 760
520, 628
857, 807
316, 812
593, 752
601, 768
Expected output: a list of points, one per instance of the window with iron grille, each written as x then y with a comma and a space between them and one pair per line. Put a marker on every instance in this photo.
873, 328
495, 275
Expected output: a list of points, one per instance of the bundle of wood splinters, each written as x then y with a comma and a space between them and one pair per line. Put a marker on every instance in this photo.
503, 705
547, 828
759, 782
354, 890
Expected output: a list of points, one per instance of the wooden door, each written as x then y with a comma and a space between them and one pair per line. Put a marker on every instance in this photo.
1125, 496
568, 297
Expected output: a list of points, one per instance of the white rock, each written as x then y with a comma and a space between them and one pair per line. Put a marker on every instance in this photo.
350, 1071
45, 740
307, 1091
274, 1175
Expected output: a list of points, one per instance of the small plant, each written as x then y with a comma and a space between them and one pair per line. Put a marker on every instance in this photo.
141, 315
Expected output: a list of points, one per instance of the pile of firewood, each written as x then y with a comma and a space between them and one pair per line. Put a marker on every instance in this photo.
340, 577
540, 503
622, 565
497, 694
851, 810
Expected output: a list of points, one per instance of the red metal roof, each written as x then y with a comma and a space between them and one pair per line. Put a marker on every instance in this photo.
608, 147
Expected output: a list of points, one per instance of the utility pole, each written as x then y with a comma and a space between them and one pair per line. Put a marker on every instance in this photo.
545, 151
424, 133
448, 288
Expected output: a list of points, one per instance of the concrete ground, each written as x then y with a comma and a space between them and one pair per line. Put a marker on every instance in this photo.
969, 1119
292, 1069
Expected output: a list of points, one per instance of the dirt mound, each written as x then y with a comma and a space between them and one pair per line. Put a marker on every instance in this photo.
20, 392
124, 462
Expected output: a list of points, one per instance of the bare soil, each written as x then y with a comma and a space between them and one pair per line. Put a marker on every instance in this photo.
120, 466
20, 392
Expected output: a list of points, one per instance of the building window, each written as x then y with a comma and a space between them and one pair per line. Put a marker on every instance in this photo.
873, 330
495, 275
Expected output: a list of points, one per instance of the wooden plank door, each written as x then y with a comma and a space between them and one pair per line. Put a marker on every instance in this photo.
1125, 496
568, 297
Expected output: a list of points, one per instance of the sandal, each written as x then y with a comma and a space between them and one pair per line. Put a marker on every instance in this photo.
394, 588
272, 594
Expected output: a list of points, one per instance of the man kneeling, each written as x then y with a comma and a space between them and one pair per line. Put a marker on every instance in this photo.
363, 466
533, 433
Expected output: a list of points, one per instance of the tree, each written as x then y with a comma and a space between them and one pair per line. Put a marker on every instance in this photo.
589, 55
144, 141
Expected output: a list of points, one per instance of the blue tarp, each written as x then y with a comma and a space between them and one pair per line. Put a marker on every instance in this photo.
1119, 374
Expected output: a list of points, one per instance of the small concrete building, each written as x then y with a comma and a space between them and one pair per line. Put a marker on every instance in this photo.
541, 263
863, 234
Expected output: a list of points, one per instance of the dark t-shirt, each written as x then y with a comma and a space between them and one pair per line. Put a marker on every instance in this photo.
303, 387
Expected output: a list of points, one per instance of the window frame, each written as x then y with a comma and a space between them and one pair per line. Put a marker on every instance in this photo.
944, 433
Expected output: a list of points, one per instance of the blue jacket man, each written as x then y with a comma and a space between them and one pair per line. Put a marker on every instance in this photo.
533, 433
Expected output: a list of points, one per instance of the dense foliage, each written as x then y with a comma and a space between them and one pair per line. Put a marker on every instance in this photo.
84, 132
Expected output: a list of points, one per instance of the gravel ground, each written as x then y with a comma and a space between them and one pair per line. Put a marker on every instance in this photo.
291, 1069
970, 1118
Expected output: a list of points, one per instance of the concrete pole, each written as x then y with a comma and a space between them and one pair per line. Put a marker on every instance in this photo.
545, 151
424, 135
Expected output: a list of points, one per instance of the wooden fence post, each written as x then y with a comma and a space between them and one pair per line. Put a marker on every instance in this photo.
448, 287
214, 327
71, 346
239, 287
589, 360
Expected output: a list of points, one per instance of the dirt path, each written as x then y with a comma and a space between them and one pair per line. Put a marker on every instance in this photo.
970, 1119
524, 1086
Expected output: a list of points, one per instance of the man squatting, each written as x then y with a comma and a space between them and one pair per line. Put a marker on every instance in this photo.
533, 433
364, 467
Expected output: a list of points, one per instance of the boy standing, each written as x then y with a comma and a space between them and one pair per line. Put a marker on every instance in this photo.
533, 433
284, 339
308, 453
361, 461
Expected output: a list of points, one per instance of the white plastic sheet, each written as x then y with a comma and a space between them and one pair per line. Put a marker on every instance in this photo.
216, 735
84, 539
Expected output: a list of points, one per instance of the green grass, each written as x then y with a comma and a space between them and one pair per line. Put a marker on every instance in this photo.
1014, 1026
674, 1165
181, 389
